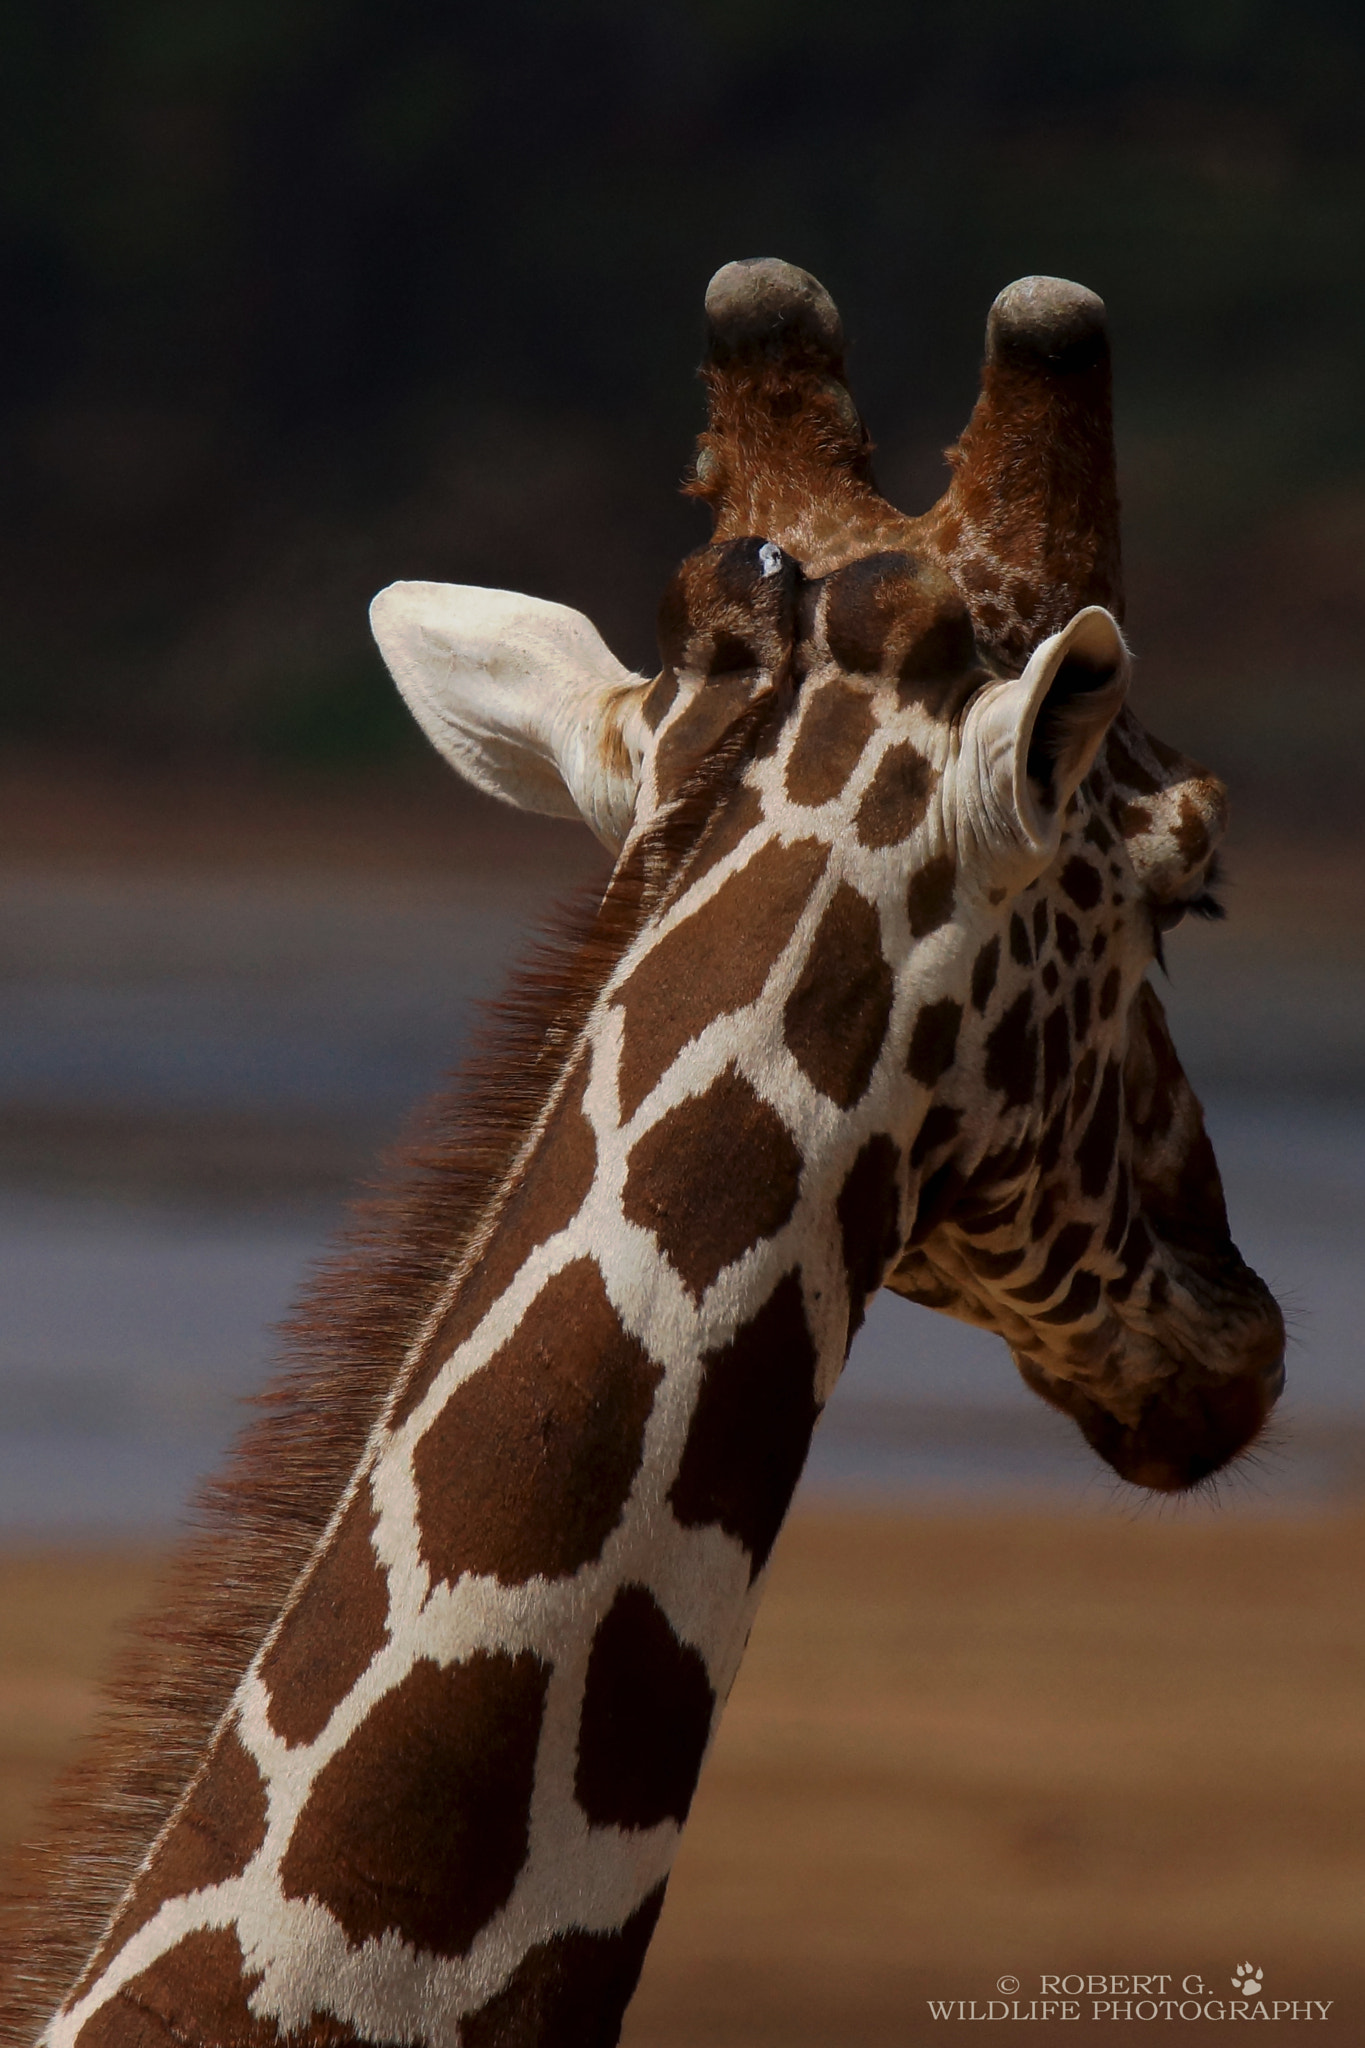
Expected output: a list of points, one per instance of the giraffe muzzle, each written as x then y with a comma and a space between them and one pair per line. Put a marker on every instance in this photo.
1190, 1427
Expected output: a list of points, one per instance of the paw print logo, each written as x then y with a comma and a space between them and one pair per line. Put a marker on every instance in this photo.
1247, 1979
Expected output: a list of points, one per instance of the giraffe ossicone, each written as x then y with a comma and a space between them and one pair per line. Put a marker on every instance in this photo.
865, 1003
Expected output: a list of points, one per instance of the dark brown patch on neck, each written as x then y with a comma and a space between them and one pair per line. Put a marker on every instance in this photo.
930, 896
336, 1628
569, 1992
714, 962
712, 1178
985, 968
869, 1222
751, 1428
646, 1718
544, 1202
697, 731
217, 1832
836, 724
528, 1466
419, 1826
1012, 1053
933, 1042
836, 1016
197, 1991
1095, 1153
897, 798
732, 825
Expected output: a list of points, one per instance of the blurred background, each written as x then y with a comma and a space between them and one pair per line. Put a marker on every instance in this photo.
300, 297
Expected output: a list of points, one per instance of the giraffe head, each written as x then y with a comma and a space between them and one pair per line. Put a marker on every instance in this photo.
890, 759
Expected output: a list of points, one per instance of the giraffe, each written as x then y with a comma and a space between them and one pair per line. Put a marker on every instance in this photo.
865, 1002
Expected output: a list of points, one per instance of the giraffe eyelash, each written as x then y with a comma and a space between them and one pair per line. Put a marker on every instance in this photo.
1206, 904
1166, 916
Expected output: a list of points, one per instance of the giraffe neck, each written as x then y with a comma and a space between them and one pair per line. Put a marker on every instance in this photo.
450, 1787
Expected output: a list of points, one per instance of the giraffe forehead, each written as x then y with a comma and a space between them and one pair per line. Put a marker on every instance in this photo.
746, 605
890, 614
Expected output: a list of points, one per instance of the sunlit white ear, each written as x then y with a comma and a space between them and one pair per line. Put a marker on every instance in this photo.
522, 696
1040, 734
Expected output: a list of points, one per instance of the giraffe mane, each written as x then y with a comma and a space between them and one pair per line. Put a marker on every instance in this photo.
254, 1525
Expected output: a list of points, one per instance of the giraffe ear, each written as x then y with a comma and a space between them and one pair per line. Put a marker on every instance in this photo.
1040, 734
522, 696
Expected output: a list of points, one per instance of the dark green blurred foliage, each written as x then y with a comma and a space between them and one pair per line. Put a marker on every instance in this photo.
301, 295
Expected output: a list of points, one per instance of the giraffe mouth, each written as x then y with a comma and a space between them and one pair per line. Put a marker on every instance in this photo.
1188, 1428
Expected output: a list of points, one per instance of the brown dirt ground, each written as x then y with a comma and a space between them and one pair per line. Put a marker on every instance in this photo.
961, 1746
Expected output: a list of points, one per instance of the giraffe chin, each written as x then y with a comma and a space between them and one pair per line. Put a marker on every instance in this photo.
1190, 1427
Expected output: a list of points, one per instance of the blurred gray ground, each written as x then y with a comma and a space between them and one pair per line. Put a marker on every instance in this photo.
194, 1069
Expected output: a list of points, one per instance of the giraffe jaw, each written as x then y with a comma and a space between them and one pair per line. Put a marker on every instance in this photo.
1186, 1429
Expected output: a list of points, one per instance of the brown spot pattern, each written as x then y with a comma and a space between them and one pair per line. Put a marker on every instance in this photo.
1095, 1153
196, 1993
1068, 938
1080, 1299
712, 963
528, 1466
1137, 1249
699, 729
984, 970
869, 1222
551, 1194
1192, 833
1045, 1215
338, 1624
712, 1178
658, 698
946, 648
896, 799
418, 1827
1082, 882
751, 1428
569, 1992
1070, 1244
1020, 950
1050, 1149
940, 1127
836, 1016
1012, 1052
930, 897
646, 1720
1109, 993
218, 1831
933, 1042
1080, 1007
1056, 1053
992, 1265
1118, 1215
1082, 1087
836, 725
733, 823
